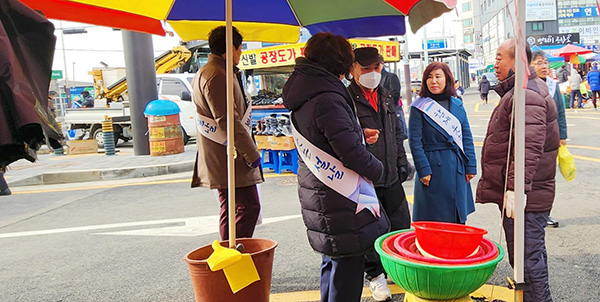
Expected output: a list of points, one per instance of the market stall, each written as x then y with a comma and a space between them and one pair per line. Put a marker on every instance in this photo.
266, 70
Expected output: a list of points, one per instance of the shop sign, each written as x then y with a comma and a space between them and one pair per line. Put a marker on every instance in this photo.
578, 12
540, 10
553, 39
285, 55
585, 30
56, 74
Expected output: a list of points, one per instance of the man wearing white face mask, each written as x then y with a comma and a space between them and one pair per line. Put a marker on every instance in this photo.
377, 117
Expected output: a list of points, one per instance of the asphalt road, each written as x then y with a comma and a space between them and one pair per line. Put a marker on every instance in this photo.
125, 240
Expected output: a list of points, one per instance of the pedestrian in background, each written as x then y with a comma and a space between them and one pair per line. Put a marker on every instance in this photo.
575, 84
460, 91
324, 119
563, 74
539, 62
210, 98
4, 190
51, 95
375, 111
541, 145
593, 78
442, 148
88, 100
391, 82
484, 88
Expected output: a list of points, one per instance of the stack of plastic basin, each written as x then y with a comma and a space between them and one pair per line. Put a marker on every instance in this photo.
414, 263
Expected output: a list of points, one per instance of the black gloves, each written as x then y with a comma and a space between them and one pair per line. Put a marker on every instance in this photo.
403, 173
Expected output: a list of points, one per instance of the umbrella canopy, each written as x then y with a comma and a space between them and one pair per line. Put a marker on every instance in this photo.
570, 50
577, 59
258, 20
594, 57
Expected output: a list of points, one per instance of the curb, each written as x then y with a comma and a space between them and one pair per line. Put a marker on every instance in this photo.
104, 174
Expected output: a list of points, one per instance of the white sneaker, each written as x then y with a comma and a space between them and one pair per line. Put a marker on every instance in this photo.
380, 289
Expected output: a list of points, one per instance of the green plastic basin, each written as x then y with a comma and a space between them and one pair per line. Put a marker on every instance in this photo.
435, 282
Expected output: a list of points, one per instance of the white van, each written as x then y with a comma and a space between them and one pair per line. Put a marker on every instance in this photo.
177, 87
174, 87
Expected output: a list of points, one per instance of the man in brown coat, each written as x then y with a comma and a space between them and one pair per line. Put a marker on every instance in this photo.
210, 98
541, 148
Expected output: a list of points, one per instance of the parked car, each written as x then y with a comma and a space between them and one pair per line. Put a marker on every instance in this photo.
492, 78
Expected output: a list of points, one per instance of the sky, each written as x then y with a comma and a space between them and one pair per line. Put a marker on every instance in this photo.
85, 51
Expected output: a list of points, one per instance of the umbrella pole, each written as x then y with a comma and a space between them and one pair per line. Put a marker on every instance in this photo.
519, 166
230, 123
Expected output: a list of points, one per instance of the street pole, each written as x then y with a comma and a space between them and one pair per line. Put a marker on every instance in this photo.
406, 62
425, 48
62, 40
519, 166
230, 122
141, 84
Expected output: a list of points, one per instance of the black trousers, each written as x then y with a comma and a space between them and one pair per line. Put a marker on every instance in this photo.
342, 279
594, 92
537, 288
393, 200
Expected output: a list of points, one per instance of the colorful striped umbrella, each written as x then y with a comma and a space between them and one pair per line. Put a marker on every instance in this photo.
258, 20
569, 50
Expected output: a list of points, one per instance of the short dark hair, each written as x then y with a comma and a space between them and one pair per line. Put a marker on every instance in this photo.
448, 91
332, 52
538, 53
216, 40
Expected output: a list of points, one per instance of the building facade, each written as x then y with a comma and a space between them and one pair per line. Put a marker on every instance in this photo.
580, 16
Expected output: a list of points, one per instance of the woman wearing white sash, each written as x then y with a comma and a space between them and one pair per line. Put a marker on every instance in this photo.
442, 148
338, 227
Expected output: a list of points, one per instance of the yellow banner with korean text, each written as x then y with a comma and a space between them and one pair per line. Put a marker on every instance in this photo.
285, 55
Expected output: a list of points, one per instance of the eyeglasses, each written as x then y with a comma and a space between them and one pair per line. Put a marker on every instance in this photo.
541, 63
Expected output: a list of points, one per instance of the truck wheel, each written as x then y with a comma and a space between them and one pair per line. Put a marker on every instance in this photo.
99, 136
186, 138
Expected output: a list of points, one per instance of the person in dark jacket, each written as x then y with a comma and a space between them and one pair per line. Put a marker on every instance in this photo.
593, 78
541, 145
539, 62
375, 112
563, 74
88, 100
323, 114
445, 160
484, 88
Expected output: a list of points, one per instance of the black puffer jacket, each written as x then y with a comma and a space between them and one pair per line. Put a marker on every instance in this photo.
322, 112
389, 148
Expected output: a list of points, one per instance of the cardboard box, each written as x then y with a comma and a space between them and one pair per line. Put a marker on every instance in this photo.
82, 146
282, 142
262, 142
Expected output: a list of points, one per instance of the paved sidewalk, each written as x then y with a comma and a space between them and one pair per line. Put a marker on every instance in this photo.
57, 169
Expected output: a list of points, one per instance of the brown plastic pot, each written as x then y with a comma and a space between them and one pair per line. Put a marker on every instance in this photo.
212, 286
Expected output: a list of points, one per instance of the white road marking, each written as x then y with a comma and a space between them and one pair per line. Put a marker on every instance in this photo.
203, 222
193, 227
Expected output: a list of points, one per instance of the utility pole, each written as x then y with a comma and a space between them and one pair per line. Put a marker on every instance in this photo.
62, 40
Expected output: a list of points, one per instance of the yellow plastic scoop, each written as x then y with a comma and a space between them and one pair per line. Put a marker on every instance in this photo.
239, 268
222, 257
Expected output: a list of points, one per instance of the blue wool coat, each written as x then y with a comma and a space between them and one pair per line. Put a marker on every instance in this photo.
448, 198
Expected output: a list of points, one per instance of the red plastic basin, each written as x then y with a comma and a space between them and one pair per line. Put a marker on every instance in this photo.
405, 246
448, 240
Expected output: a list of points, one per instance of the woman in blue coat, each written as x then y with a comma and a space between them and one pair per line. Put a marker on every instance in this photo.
442, 148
